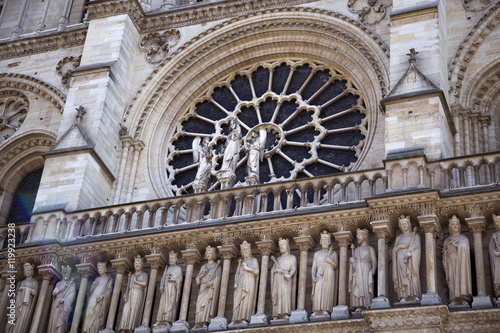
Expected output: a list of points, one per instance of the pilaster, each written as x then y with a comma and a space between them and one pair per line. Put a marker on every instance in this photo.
385, 233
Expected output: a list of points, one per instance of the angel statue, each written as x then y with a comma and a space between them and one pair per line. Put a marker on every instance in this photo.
256, 145
203, 155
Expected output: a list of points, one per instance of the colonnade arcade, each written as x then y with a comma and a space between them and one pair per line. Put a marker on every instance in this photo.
262, 247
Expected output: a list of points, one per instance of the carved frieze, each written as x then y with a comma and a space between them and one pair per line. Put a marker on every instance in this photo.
159, 45
369, 11
65, 68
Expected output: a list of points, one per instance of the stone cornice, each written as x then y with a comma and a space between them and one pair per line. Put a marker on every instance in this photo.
41, 44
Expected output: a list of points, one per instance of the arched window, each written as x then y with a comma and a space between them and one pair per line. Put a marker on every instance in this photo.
24, 199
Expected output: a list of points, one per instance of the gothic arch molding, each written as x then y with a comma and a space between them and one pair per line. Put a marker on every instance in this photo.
301, 33
18, 159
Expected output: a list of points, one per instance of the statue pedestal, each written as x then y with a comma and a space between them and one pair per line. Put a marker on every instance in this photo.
380, 302
161, 328
482, 302
217, 324
142, 329
180, 326
406, 303
319, 317
298, 316
243, 324
340, 312
280, 321
226, 179
259, 319
431, 299
107, 330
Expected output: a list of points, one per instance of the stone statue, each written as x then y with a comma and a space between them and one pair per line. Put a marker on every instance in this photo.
495, 255
362, 268
456, 263
245, 287
134, 298
209, 281
406, 256
25, 302
64, 296
232, 149
203, 155
283, 281
256, 144
324, 277
98, 304
170, 288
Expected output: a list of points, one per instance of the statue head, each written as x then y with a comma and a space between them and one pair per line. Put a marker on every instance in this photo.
101, 267
496, 221
404, 223
29, 269
210, 253
172, 258
284, 245
138, 263
246, 249
362, 235
66, 272
325, 239
454, 225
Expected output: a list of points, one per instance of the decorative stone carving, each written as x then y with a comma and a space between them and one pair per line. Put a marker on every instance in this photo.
134, 298
208, 279
14, 108
64, 296
406, 256
362, 268
227, 173
494, 250
255, 154
283, 282
369, 11
65, 68
202, 155
170, 288
158, 46
25, 302
98, 304
324, 277
476, 5
456, 263
245, 287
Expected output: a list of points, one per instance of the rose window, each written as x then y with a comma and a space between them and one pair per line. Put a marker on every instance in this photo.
13, 112
312, 120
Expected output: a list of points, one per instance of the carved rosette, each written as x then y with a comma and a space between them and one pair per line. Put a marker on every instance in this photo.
13, 111
369, 11
158, 46
65, 68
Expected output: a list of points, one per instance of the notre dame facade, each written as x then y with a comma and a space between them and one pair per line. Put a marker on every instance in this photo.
249, 165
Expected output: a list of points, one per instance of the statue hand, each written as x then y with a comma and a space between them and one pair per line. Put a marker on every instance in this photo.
315, 279
162, 289
100, 298
351, 259
287, 276
125, 298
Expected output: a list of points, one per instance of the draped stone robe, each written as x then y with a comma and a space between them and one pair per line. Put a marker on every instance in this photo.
245, 291
406, 256
25, 305
132, 310
324, 290
208, 294
456, 262
98, 305
360, 280
171, 282
282, 289
495, 261
64, 296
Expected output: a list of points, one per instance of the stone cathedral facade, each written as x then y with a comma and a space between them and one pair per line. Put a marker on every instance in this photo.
260, 165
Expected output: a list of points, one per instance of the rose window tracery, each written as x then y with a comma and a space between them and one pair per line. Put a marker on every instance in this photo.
312, 119
13, 112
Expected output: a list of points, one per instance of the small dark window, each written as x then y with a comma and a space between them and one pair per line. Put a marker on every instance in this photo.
24, 199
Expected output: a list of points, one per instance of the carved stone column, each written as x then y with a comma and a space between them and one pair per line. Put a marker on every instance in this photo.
48, 273
86, 270
385, 234
121, 265
220, 322
266, 247
155, 260
341, 311
11, 278
432, 229
305, 243
477, 225
191, 256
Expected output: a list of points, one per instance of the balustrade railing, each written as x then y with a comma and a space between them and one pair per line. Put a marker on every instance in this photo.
264, 200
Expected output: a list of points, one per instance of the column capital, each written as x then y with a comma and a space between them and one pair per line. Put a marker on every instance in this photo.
227, 251
155, 260
48, 272
430, 224
383, 229
305, 243
266, 247
191, 256
121, 265
86, 269
476, 224
344, 238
